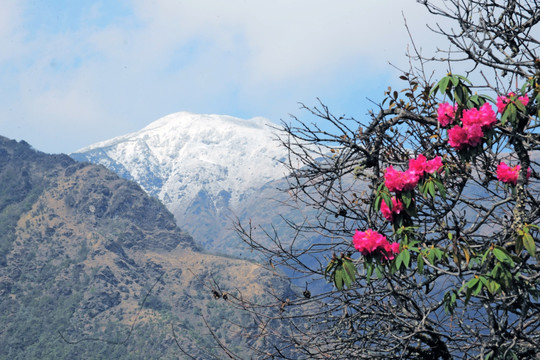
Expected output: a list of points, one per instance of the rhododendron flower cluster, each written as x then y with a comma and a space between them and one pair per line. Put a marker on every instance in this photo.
397, 207
475, 123
464, 137
421, 164
485, 117
508, 174
502, 101
398, 181
446, 114
370, 242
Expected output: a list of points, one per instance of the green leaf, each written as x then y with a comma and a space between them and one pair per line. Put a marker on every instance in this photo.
520, 106
431, 256
443, 84
407, 198
414, 242
346, 278
468, 296
438, 252
338, 279
487, 98
475, 101
420, 262
484, 257
512, 114
493, 287
422, 188
387, 199
392, 268
441, 188
329, 267
449, 300
483, 280
431, 189
504, 117
460, 95
377, 203
502, 255
471, 283
406, 257
519, 244
463, 78
369, 271
478, 289
399, 260
529, 244
350, 269
524, 87
378, 272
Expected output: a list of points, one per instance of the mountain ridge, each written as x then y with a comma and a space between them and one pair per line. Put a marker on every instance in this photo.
202, 167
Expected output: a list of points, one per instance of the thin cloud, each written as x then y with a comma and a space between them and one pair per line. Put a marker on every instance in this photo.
241, 58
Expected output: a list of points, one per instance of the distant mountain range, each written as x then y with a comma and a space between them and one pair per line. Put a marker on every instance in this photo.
207, 169
93, 267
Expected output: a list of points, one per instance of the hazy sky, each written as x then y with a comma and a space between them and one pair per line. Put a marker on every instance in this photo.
76, 72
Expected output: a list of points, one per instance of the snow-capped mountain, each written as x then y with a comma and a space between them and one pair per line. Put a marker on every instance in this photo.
201, 167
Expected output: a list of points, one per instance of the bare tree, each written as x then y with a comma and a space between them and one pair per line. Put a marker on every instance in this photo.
465, 282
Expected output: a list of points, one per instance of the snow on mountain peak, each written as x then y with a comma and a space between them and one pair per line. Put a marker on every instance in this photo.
177, 156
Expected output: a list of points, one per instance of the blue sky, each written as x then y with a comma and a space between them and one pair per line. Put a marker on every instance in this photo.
77, 72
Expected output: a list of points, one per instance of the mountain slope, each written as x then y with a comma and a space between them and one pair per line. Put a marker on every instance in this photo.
92, 267
202, 167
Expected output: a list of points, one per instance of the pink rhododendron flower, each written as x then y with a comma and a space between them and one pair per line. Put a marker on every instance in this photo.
502, 101
398, 181
508, 174
410, 180
463, 137
434, 165
457, 137
393, 179
485, 117
446, 114
524, 99
397, 207
370, 242
470, 117
390, 250
474, 135
418, 166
